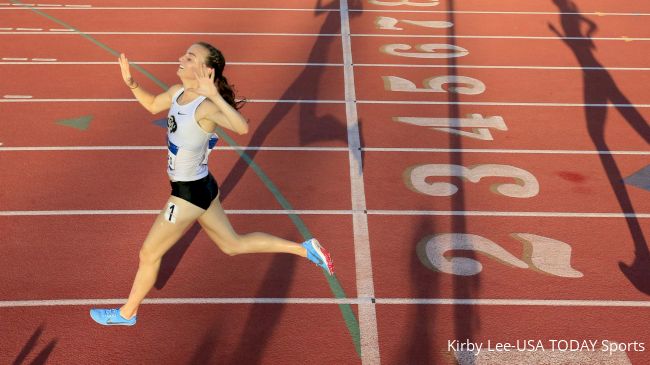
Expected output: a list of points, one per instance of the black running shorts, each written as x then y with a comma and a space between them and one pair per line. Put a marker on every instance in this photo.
199, 192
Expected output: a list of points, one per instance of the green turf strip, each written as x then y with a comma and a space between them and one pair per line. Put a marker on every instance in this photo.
348, 315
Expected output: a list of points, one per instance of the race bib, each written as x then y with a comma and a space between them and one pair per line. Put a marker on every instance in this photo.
172, 151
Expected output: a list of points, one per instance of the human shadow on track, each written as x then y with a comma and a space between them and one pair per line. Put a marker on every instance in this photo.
263, 318
417, 347
313, 127
170, 260
42, 356
466, 318
599, 88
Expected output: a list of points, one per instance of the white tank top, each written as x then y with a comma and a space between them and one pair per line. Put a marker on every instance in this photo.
188, 145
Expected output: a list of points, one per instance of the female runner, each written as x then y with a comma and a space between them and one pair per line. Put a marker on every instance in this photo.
203, 101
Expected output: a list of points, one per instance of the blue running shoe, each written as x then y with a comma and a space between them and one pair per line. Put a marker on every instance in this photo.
318, 255
111, 317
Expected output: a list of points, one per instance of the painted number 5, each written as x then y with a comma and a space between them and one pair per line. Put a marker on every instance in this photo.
525, 186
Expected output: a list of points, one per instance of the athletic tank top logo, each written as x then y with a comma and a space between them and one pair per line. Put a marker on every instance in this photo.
171, 124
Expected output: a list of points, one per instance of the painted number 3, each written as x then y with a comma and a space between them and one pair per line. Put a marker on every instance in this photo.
525, 184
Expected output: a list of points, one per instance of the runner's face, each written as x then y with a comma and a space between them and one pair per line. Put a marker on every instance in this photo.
191, 61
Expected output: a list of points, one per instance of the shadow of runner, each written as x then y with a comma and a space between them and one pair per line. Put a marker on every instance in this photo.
466, 318
418, 349
208, 347
170, 260
263, 318
600, 88
312, 127
29, 347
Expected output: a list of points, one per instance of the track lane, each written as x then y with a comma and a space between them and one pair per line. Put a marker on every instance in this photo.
484, 52
199, 20
104, 180
523, 25
597, 246
128, 124
256, 49
506, 86
567, 183
253, 82
528, 128
183, 334
601, 6
104, 249
407, 340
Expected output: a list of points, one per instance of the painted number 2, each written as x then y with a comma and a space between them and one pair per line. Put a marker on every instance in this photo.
541, 253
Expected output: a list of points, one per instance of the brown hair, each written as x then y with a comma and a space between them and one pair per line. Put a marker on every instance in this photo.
217, 62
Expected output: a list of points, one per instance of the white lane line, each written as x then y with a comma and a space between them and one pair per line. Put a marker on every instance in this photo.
11, 97
470, 213
15, 213
41, 32
481, 12
239, 63
507, 67
131, 148
176, 63
61, 30
392, 102
84, 302
518, 302
506, 151
365, 286
15, 60
90, 7
311, 10
68, 100
619, 38
316, 35
333, 149
315, 64
336, 301
494, 103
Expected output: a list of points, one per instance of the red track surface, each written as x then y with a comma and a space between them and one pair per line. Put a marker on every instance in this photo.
58, 242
